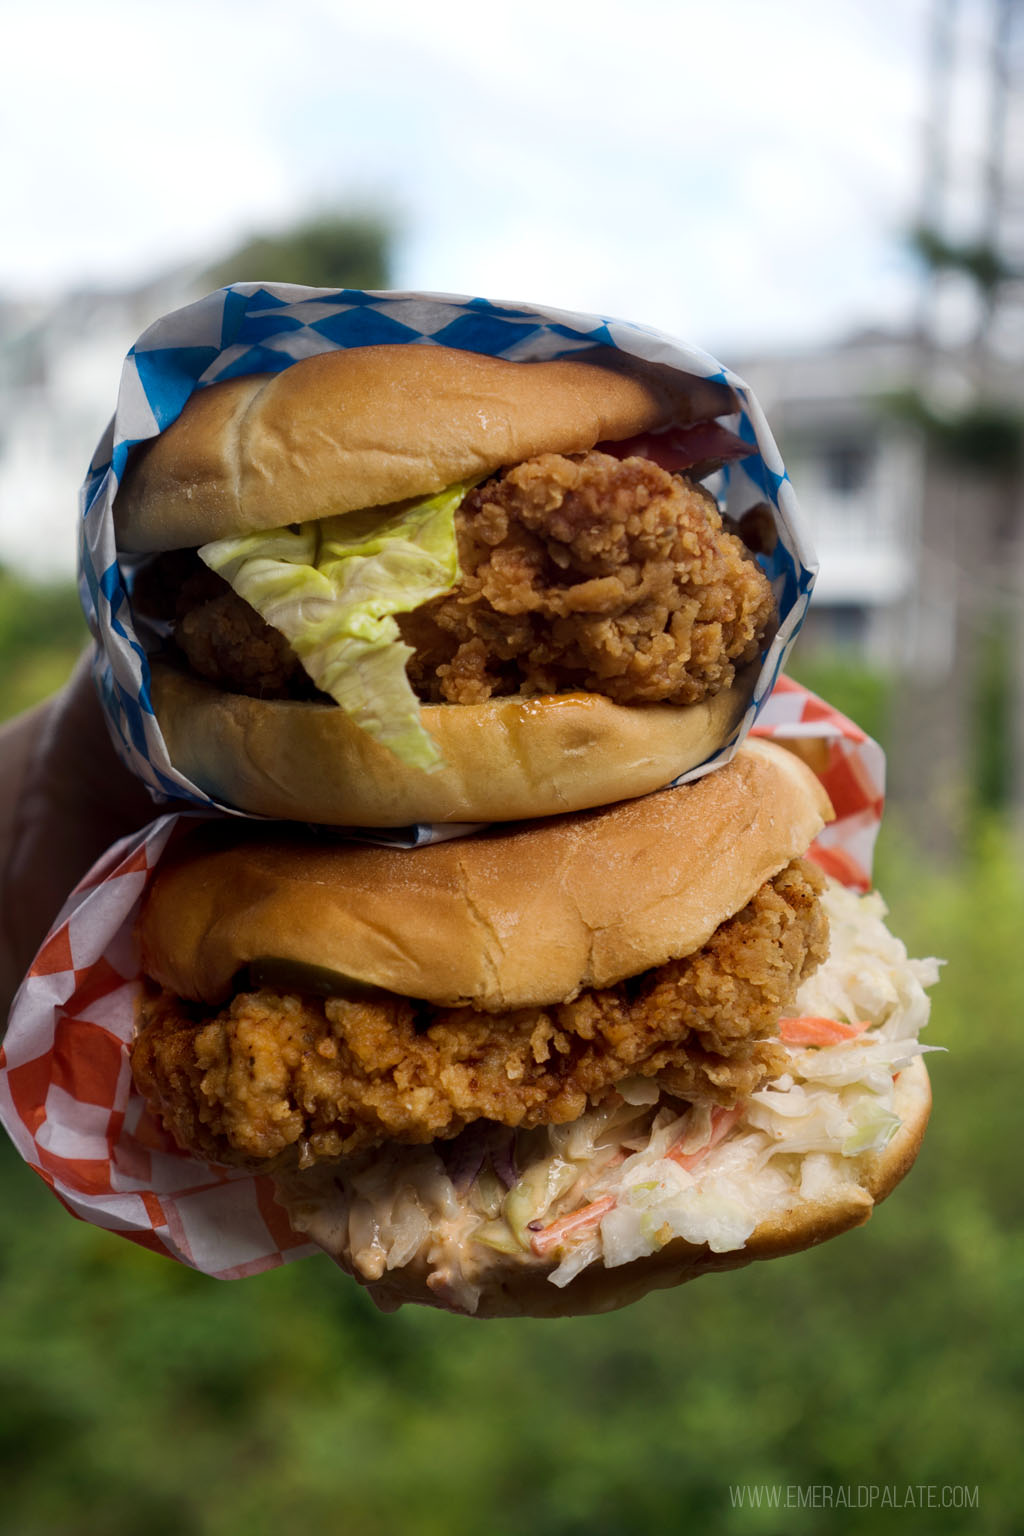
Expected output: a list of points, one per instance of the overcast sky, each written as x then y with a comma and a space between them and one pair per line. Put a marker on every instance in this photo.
733, 171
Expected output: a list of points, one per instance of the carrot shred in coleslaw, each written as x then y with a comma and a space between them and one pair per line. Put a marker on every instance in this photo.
722, 1122
573, 1225
811, 1030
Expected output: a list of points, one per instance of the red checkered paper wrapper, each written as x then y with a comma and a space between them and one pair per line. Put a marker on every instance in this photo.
66, 1093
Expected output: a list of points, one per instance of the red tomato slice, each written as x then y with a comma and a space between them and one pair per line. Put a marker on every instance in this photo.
680, 448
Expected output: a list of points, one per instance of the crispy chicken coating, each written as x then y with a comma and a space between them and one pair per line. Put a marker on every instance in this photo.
278, 1079
591, 572
225, 638
595, 573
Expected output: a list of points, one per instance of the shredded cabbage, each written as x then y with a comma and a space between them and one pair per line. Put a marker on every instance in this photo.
332, 588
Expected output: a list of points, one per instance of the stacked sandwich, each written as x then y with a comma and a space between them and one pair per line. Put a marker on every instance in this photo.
623, 1035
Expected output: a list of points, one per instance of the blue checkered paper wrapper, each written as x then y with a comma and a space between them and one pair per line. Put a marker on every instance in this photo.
263, 328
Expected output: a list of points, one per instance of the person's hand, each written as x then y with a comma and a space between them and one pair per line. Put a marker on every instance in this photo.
65, 797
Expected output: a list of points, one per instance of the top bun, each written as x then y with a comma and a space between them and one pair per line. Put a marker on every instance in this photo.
367, 426
523, 917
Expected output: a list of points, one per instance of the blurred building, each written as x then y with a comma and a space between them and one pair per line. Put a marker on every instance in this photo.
897, 526
858, 470
60, 365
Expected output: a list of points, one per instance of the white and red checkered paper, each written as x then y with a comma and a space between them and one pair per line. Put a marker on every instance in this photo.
66, 1092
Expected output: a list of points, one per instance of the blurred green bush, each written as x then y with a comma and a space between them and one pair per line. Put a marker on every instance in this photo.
41, 633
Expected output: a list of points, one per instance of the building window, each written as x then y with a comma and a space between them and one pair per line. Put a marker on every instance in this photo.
840, 627
846, 466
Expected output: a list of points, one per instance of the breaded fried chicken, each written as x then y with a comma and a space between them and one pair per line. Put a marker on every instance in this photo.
596, 573
279, 1078
591, 572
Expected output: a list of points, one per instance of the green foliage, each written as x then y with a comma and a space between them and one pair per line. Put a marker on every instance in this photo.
344, 251
977, 259
984, 437
41, 633
992, 736
138, 1396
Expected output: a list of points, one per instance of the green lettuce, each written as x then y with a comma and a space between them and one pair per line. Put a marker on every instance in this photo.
332, 588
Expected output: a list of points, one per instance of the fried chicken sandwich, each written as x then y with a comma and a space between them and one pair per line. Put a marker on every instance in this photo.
547, 1068
409, 583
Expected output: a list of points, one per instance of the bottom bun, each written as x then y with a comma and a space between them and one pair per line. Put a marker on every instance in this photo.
508, 759
519, 1285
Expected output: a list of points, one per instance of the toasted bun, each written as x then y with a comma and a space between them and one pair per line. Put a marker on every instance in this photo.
371, 425
505, 760
518, 1286
506, 919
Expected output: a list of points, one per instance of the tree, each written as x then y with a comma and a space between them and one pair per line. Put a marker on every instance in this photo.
330, 251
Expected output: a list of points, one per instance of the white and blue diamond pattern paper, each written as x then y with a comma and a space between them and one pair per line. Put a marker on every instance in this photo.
263, 328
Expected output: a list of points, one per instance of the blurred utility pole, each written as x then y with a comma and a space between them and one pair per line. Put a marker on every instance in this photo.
928, 767
970, 571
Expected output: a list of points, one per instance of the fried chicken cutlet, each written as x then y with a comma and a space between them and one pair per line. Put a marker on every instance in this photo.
586, 572
279, 1079
591, 572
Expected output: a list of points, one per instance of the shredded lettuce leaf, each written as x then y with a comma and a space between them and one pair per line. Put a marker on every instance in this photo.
332, 588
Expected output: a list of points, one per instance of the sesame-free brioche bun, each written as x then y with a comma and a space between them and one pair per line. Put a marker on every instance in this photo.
517, 1285
368, 426
506, 919
507, 759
